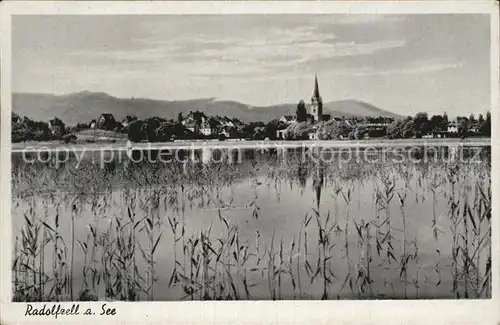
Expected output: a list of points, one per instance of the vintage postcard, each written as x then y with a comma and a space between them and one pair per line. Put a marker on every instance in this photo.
250, 162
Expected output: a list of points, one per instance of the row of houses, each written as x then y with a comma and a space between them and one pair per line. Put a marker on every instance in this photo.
56, 125
198, 122
290, 119
105, 122
108, 122
350, 125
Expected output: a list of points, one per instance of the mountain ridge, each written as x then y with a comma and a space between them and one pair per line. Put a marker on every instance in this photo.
85, 106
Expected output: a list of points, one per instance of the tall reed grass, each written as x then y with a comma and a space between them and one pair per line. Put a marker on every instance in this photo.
141, 226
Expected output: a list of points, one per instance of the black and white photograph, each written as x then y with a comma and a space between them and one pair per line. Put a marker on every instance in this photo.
250, 156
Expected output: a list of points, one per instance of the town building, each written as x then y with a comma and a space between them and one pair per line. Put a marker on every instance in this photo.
313, 135
350, 123
316, 109
209, 127
205, 129
281, 134
224, 132
227, 122
56, 127
474, 128
288, 119
374, 125
195, 121
316, 106
191, 127
452, 127
16, 119
194, 118
106, 122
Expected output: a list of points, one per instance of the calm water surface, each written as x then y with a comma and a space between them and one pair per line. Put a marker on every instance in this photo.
270, 198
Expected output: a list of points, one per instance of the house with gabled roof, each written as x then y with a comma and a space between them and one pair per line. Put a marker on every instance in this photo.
210, 127
226, 121
288, 119
56, 127
106, 122
16, 119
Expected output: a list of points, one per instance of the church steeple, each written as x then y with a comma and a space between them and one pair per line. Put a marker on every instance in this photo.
316, 102
316, 87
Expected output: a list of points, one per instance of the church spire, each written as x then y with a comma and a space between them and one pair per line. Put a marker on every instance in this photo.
316, 87
316, 102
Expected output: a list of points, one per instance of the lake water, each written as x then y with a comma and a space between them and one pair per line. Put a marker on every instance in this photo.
260, 225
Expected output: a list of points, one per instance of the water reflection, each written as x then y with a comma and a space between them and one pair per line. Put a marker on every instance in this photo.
263, 206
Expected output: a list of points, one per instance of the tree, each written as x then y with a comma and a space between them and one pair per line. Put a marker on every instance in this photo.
408, 128
152, 125
81, 126
164, 132
436, 124
29, 130
488, 124
480, 119
330, 130
246, 130
463, 127
359, 134
485, 126
301, 111
272, 127
259, 133
472, 119
69, 138
421, 124
136, 131
445, 122
394, 130
299, 131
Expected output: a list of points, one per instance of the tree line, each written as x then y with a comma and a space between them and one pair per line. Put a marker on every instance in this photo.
417, 126
155, 129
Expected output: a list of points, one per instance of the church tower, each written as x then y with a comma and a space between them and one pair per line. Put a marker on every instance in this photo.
316, 102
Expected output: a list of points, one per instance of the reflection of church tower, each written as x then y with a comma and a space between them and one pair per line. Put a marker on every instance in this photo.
316, 102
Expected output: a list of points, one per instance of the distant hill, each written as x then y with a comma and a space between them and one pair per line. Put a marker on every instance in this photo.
85, 106
356, 108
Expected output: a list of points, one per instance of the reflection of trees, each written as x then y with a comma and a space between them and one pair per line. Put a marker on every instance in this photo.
208, 180
302, 174
318, 181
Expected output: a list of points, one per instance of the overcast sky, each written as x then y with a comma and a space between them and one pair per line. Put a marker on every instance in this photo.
403, 64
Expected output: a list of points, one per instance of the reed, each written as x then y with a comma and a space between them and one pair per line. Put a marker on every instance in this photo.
404, 257
348, 278
157, 206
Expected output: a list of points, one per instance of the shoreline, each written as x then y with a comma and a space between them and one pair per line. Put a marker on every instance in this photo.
242, 144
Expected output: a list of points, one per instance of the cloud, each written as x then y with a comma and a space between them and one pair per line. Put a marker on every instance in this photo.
121, 55
417, 67
260, 59
248, 52
357, 19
